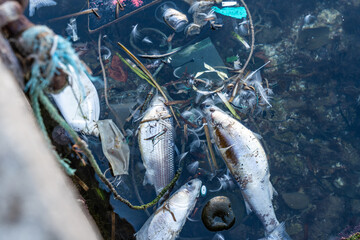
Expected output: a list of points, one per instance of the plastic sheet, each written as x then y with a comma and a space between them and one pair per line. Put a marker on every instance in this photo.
114, 146
235, 12
191, 59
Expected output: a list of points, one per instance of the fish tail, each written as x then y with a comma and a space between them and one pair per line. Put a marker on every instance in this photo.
279, 233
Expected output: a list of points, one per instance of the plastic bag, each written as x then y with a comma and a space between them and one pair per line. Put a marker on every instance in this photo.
114, 146
235, 12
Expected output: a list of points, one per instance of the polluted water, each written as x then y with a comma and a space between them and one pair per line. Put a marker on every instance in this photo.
210, 119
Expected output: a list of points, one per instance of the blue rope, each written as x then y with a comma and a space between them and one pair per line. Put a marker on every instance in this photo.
50, 53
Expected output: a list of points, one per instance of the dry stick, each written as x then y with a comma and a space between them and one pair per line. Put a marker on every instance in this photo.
241, 71
113, 225
252, 38
87, 11
118, 120
143, 68
96, 14
208, 140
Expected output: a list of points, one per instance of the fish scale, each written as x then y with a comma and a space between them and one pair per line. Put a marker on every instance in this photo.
156, 142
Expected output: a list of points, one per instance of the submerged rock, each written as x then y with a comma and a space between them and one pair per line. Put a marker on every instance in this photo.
332, 209
296, 200
217, 214
60, 136
313, 38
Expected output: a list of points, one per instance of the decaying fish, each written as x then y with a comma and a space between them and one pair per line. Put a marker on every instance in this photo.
168, 220
156, 142
247, 162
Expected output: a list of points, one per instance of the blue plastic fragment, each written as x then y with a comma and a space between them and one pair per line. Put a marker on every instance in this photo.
235, 12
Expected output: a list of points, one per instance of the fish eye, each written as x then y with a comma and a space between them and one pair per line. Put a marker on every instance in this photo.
189, 184
206, 105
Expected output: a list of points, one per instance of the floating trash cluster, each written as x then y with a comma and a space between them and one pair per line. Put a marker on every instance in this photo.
163, 111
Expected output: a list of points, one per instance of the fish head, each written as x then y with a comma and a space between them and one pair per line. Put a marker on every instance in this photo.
193, 186
208, 108
186, 196
158, 100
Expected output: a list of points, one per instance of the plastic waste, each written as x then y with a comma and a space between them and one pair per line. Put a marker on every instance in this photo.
71, 30
235, 12
114, 146
78, 102
192, 29
168, 13
191, 59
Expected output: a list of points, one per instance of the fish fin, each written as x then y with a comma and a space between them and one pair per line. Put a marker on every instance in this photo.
272, 191
257, 135
275, 193
176, 150
279, 233
148, 178
247, 206
223, 150
181, 157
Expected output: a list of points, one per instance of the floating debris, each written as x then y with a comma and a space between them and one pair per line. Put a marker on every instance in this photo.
217, 214
167, 12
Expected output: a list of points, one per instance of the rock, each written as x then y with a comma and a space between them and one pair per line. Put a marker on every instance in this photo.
328, 218
296, 200
294, 229
217, 214
313, 38
355, 206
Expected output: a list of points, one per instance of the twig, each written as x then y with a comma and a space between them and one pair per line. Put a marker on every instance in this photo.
87, 11
118, 120
208, 140
113, 225
252, 39
143, 68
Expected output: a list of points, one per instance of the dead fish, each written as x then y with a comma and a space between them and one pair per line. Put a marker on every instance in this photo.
156, 142
170, 217
247, 162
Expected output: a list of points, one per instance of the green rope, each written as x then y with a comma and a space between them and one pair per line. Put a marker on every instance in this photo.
37, 111
82, 145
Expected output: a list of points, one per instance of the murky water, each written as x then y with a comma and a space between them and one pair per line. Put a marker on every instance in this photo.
310, 127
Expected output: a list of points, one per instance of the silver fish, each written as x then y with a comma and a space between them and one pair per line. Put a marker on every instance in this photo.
156, 142
247, 162
168, 220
